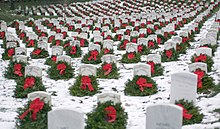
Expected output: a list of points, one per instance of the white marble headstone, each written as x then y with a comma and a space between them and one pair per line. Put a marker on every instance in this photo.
87, 70
108, 44
20, 58
198, 65
94, 47
33, 71
109, 58
142, 70
156, 58
104, 97
131, 47
57, 50
46, 97
202, 50
20, 51
42, 45
64, 58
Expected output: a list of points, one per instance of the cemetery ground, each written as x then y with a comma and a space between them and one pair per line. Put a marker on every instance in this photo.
134, 106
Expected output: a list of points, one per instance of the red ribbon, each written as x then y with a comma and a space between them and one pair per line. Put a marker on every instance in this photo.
107, 68
86, 82
119, 37
70, 28
134, 40
142, 35
142, 24
200, 58
2, 34
106, 51
54, 58
142, 82
159, 40
82, 42
17, 70
73, 50
131, 55
152, 64
185, 114
149, 31
57, 42
151, 44
140, 48
64, 34
111, 114
184, 39
11, 52
61, 67
66, 45
37, 52
93, 55
51, 39
58, 30
169, 53
43, 34
200, 75
156, 27
108, 37
31, 43
124, 43
29, 82
35, 106
21, 36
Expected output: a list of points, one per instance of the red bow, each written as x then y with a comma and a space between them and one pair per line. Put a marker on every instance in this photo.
151, 44
136, 28
131, 55
148, 22
37, 52
66, 45
57, 42
93, 55
119, 37
51, 39
107, 68
152, 64
156, 27
73, 51
142, 35
86, 81
184, 39
29, 82
82, 42
134, 40
54, 58
124, 43
172, 32
31, 43
61, 67
35, 106
50, 25
2, 34
149, 31
185, 114
106, 51
17, 70
64, 34
43, 34
115, 29
196, 29
70, 28
142, 24
58, 30
140, 48
159, 40
11, 52
200, 58
111, 114
109, 37
21, 36
165, 34
142, 82
169, 53
200, 75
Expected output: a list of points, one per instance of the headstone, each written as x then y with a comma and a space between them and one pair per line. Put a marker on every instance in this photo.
164, 116
33, 71
104, 97
143, 31
94, 47
64, 58
46, 97
96, 33
58, 36
156, 58
87, 70
183, 86
198, 65
44, 39
202, 50
131, 47
169, 45
183, 34
108, 44
83, 35
57, 50
109, 58
98, 39
42, 45
20, 51
65, 119
142, 70
177, 39
11, 44
20, 58
142, 41
204, 41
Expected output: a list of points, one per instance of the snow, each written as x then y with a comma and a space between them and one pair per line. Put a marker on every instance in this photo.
134, 106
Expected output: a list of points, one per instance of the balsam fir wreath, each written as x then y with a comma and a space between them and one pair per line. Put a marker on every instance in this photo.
205, 59
140, 86
143, 49
118, 37
74, 51
33, 115
107, 115
191, 113
84, 86
57, 43
169, 55
15, 70
51, 61
93, 57
108, 71
60, 70
122, 44
152, 44
205, 83
31, 43
181, 48
107, 51
9, 52
27, 85
131, 57
38, 53
83, 42
156, 69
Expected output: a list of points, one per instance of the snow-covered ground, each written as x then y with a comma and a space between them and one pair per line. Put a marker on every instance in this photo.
134, 106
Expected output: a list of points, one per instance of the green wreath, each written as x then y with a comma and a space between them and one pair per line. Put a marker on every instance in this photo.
174, 56
112, 75
208, 61
136, 59
43, 54
77, 54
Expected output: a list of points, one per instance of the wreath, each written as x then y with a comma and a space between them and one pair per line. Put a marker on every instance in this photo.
122, 44
51, 61
31, 43
74, 51
181, 48
33, 115
9, 52
191, 113
105, 51
143, 49
30, 23
156, 69
93, 57
131, 57
15, 70
169, 55
38, 53
60, 70
107, 115
205, 59
84, 86
27, 85
161, 39
57, 43
140, 86
117, 37
152, 44
83, 42
108, 71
